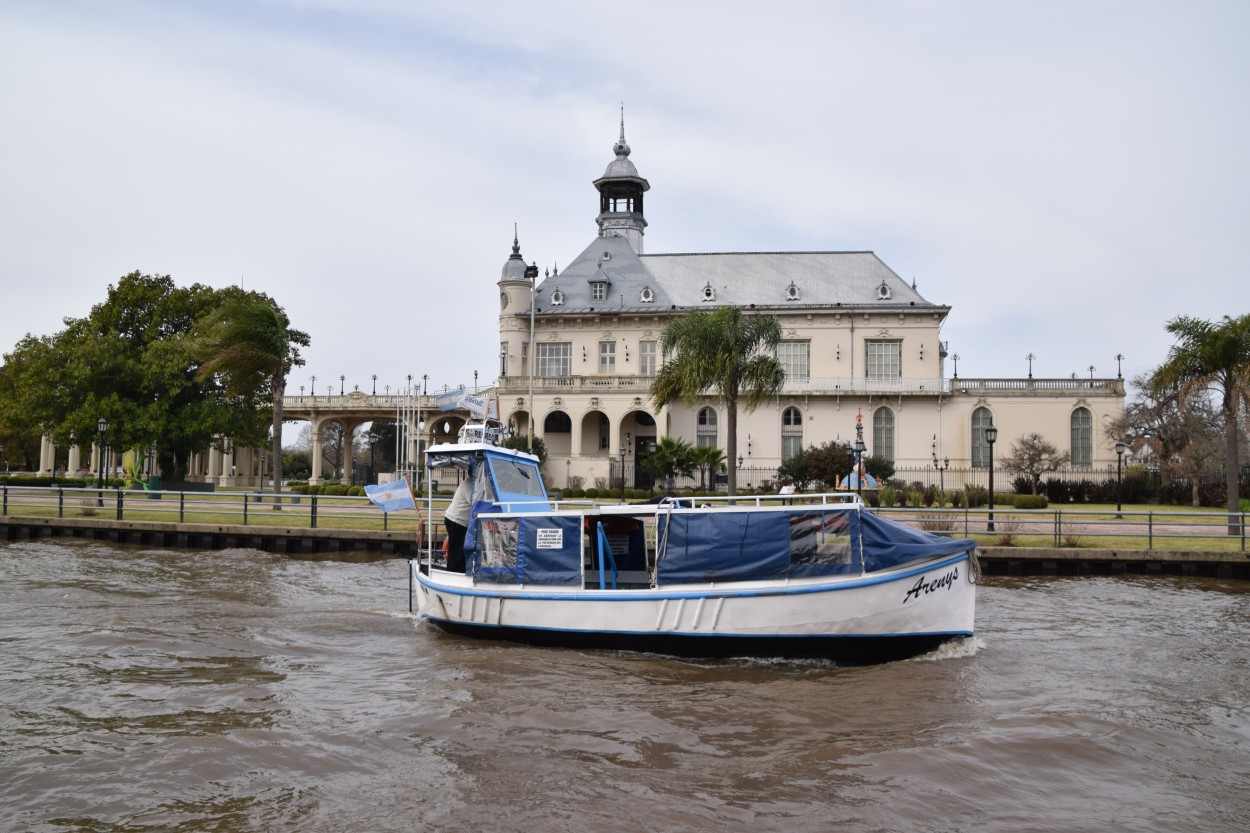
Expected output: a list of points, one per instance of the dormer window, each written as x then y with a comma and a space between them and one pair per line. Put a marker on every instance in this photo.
646, 296
709, 293
557, 298
792, 292
883, 292
598, 290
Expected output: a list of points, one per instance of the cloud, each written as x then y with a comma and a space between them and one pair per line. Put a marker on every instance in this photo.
1066, 177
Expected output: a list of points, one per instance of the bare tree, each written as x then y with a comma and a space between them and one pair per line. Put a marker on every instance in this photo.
1032, 455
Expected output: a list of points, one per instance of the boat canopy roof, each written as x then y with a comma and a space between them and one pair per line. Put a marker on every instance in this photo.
500, 475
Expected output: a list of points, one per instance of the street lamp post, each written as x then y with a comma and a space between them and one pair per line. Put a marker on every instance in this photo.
991, 435
1120, 448
1030, 357
955, 358
102, 426
941, 470
342, 381
622, 472
860, 447
375, 384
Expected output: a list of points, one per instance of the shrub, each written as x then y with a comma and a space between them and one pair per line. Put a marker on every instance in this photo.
928, 496
1029, 501
936, 522
1072, 541
1006, 532
957, 500
889, 497
976, 496
593, 492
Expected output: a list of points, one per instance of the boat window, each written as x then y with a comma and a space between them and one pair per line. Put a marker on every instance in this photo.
819, 541
517, 477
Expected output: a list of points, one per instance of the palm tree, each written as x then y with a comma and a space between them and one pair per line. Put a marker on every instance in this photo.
249, 344
709, 459
726, 352
673, 456
1212, 358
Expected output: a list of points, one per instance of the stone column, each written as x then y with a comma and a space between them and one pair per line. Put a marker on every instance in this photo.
315, 480
47, 455
244, 460
227, 465
348, 453
75, 461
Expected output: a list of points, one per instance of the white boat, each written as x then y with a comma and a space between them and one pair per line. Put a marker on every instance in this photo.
802, 576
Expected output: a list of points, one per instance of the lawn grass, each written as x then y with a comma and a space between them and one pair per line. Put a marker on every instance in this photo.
1088, 526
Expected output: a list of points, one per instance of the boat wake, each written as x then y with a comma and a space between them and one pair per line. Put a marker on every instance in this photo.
962, 648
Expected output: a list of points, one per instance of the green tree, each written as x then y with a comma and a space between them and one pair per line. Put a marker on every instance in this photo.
1212, 359
520, 442
724, 351
818, 464
881, 468
708, 459
673, 457
249, 347
126, 362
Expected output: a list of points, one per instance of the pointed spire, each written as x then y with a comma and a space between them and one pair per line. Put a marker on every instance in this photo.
621, 148
514, 266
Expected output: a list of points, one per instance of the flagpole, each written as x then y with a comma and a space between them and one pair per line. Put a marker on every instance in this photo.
532, 274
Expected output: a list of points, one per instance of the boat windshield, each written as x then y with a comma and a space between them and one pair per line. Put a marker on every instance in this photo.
516, 480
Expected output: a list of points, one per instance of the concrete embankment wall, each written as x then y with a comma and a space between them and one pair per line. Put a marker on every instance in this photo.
995, 561
293, 540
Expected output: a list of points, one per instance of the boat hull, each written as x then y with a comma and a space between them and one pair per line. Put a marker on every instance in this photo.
862, 619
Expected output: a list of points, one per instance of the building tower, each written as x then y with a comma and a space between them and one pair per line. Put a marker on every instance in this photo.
620, 196
515, 283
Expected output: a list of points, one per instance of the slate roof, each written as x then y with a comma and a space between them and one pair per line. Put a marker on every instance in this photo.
781, 280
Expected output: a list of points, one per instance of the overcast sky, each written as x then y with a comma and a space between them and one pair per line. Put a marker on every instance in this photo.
1067, 176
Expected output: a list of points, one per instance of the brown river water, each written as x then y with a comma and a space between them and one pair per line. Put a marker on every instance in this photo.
151, 690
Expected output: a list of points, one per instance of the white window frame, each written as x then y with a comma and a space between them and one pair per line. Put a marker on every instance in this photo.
795, 358
1081, 436
884, 424
607, 357
555, 359
884, 359
705, 427
791, 432
647, 353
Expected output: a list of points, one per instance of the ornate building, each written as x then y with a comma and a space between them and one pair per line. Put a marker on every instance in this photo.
856, 338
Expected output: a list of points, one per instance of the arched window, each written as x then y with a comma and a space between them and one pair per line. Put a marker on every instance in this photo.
557, 422
981, 419
791, 433
883, 433
705, 434
1082, 424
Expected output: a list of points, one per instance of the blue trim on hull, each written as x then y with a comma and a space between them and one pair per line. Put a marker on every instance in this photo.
724, 591
854, 650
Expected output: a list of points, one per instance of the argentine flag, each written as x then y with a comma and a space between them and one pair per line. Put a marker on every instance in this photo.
391, 497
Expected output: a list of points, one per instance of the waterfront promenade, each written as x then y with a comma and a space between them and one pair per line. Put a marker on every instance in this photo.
1023, 542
